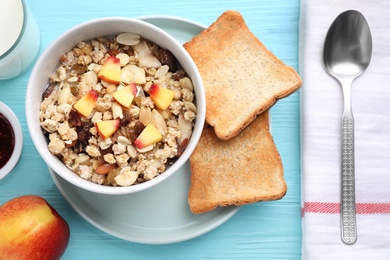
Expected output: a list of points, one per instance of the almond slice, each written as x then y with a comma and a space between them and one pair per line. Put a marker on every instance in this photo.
161, 72
128, 38
145, 115
146, 58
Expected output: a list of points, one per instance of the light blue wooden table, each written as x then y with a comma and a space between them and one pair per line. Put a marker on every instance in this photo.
265, 230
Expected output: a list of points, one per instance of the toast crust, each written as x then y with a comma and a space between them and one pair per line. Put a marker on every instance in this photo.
245, 169
242, 78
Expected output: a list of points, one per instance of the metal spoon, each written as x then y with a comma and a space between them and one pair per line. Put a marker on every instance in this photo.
347, 53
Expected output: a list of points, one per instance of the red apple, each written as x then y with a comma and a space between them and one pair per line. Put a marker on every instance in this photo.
30, 228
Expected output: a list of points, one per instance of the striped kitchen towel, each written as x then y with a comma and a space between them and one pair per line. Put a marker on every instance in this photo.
321, 111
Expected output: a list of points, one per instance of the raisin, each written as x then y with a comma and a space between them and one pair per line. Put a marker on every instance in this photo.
133, 133
138, 127
79, 69
114, 137
74, 118
106, 151
73, 143
83, 131
130, 52
100, 159
182, 147
167, 58
59, 156
179, 74
126, 118
113, 52
171, 161
80, 146
49, 90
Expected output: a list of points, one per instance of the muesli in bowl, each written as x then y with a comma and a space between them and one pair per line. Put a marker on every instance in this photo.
120, 110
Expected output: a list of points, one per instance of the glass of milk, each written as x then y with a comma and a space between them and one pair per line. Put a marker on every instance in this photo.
20, 38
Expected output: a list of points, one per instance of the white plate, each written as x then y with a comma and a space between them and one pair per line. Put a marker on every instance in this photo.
159, 215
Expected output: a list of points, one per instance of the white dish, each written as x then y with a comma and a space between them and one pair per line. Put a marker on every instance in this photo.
159, 215
49, 62
18, 146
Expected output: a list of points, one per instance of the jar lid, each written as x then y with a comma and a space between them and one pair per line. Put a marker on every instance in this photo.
11, 24
18, 144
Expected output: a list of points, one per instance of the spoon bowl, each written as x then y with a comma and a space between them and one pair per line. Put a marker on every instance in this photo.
348, 45
347, 54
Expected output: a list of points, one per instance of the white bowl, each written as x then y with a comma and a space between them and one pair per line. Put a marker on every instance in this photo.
49, 61
18, 134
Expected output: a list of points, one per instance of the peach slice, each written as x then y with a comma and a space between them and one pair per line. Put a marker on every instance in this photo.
111, 70
162, 97
125, 95
108, 127
86, 103
150, 135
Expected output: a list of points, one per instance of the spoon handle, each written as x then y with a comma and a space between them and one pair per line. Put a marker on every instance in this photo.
348, 211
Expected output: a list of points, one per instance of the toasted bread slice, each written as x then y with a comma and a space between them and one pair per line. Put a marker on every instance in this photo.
241, 77
243, 170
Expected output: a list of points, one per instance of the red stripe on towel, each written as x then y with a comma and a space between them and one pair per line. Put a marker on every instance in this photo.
334, 208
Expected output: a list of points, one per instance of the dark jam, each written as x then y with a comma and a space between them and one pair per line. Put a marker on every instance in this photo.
7, 140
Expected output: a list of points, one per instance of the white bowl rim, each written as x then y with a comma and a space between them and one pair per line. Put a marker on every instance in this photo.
67, 174
18, 146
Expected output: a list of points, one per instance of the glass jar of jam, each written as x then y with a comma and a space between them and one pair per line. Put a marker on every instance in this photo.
11, 140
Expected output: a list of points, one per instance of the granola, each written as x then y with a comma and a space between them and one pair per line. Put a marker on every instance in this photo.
104, 140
